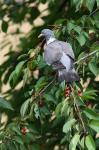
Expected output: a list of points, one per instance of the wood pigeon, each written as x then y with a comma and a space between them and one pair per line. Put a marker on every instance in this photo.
60, 55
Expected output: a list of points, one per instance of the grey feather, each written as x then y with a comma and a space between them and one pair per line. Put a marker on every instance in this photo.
60, 55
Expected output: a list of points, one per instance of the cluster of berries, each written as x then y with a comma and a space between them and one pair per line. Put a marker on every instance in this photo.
69, 90
24, 130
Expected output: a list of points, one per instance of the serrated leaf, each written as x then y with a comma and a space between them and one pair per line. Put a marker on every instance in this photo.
90, 144
94, 124
67, 126
24, 107
5, 104
91, 114
74, 142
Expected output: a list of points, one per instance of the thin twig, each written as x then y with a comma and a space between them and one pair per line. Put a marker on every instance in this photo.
47, 86
79, 113
93, 12
43, 90
88, 55
80, 117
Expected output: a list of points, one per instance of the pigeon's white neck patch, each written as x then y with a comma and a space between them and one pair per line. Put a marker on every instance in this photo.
51, 39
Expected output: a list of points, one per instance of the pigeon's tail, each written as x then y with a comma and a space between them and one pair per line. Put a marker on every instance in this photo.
70, 76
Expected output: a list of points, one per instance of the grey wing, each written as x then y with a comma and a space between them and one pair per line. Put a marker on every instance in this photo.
52, 53
55, 56
66, 47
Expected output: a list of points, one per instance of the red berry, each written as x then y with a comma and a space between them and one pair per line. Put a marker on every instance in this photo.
24, 130
89, 104
79, 93
68, 91
40, 103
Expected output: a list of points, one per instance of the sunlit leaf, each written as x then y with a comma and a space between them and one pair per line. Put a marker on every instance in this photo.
5, 104
67, 126
94, 124
90, 144
93, 68
24, 107
74, 141
91, 114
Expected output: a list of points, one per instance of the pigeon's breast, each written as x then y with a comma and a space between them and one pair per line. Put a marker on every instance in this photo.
52, 53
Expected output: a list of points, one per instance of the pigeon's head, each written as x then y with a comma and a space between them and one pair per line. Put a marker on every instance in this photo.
47, 34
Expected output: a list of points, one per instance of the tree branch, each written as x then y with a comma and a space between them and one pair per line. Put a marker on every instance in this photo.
43, 90
93, 12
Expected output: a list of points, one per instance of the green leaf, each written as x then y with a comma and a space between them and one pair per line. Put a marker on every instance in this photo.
82, 142
93, 68
4, 26
81, 39
94, 124
23, 56
12, 79
97, 2
95, 46
35, 147
90, 4
3, 146
89, 94
5, 104
77, 4
19, 67
50, 98
58, 109
37, 111
14, 76
67, 126
70, 26
24, 107
91, 114
77, 29
90, 144
74, 141
14, 127
18, 139
56, 122
40, 83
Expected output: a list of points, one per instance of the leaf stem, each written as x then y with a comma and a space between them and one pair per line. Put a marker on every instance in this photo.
77, 109
88, 55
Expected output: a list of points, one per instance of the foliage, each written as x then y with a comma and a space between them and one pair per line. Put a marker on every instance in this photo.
41, 116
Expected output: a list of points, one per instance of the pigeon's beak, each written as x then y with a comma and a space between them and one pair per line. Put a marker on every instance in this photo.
41, 35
